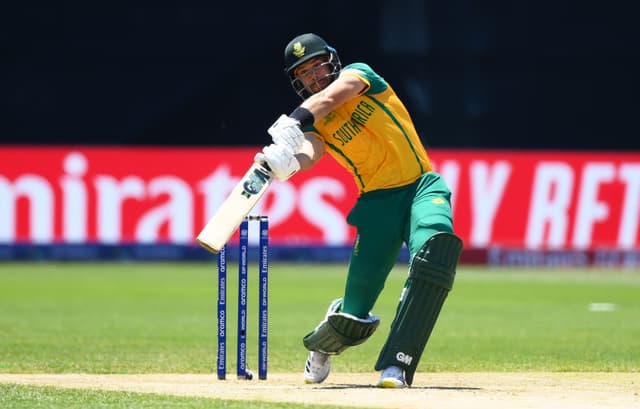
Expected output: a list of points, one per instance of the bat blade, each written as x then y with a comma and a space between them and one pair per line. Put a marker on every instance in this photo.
242, 199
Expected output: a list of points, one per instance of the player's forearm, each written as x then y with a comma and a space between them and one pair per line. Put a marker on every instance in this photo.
310, 153
336, 94
305, 161
319, 104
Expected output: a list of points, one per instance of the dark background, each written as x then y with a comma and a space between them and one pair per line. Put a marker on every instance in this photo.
481, 74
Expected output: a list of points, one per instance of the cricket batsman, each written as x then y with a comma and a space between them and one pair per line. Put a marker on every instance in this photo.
355, 116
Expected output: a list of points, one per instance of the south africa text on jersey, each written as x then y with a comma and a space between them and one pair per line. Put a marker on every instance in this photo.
351, 128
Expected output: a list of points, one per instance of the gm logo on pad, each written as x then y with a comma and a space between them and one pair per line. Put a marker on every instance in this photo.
404, 358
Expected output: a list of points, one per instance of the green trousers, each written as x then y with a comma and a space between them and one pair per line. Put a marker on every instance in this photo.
385, 219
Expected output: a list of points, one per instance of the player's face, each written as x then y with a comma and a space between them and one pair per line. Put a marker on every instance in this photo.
315, 74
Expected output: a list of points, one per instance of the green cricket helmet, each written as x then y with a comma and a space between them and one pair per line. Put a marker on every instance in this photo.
300, 50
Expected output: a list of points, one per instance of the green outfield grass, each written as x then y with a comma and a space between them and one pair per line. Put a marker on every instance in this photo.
31, 397
127, 318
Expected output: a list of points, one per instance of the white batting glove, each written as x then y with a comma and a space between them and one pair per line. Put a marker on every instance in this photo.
286, 132
280, 159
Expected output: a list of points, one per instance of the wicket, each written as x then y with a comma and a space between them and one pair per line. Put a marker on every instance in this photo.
263, 302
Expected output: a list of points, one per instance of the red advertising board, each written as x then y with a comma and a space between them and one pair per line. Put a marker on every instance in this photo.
543, 199
516, 199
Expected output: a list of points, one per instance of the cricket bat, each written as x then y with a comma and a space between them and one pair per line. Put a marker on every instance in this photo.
219, 229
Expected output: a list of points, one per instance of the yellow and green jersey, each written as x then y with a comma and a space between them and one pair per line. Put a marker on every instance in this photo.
373, 136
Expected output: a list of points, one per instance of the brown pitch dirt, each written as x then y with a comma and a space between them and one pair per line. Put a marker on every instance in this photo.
586, 390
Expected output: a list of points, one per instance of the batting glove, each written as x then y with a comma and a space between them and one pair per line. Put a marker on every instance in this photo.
286, 132
280, 159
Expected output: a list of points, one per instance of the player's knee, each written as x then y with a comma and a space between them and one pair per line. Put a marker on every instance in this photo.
437, 260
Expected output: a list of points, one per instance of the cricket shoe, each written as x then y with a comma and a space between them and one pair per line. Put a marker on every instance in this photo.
393, 378
317, 367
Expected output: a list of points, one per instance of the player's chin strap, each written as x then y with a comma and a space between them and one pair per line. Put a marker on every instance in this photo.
339, 331
431, 277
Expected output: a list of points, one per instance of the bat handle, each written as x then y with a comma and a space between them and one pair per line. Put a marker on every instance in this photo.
266, 166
